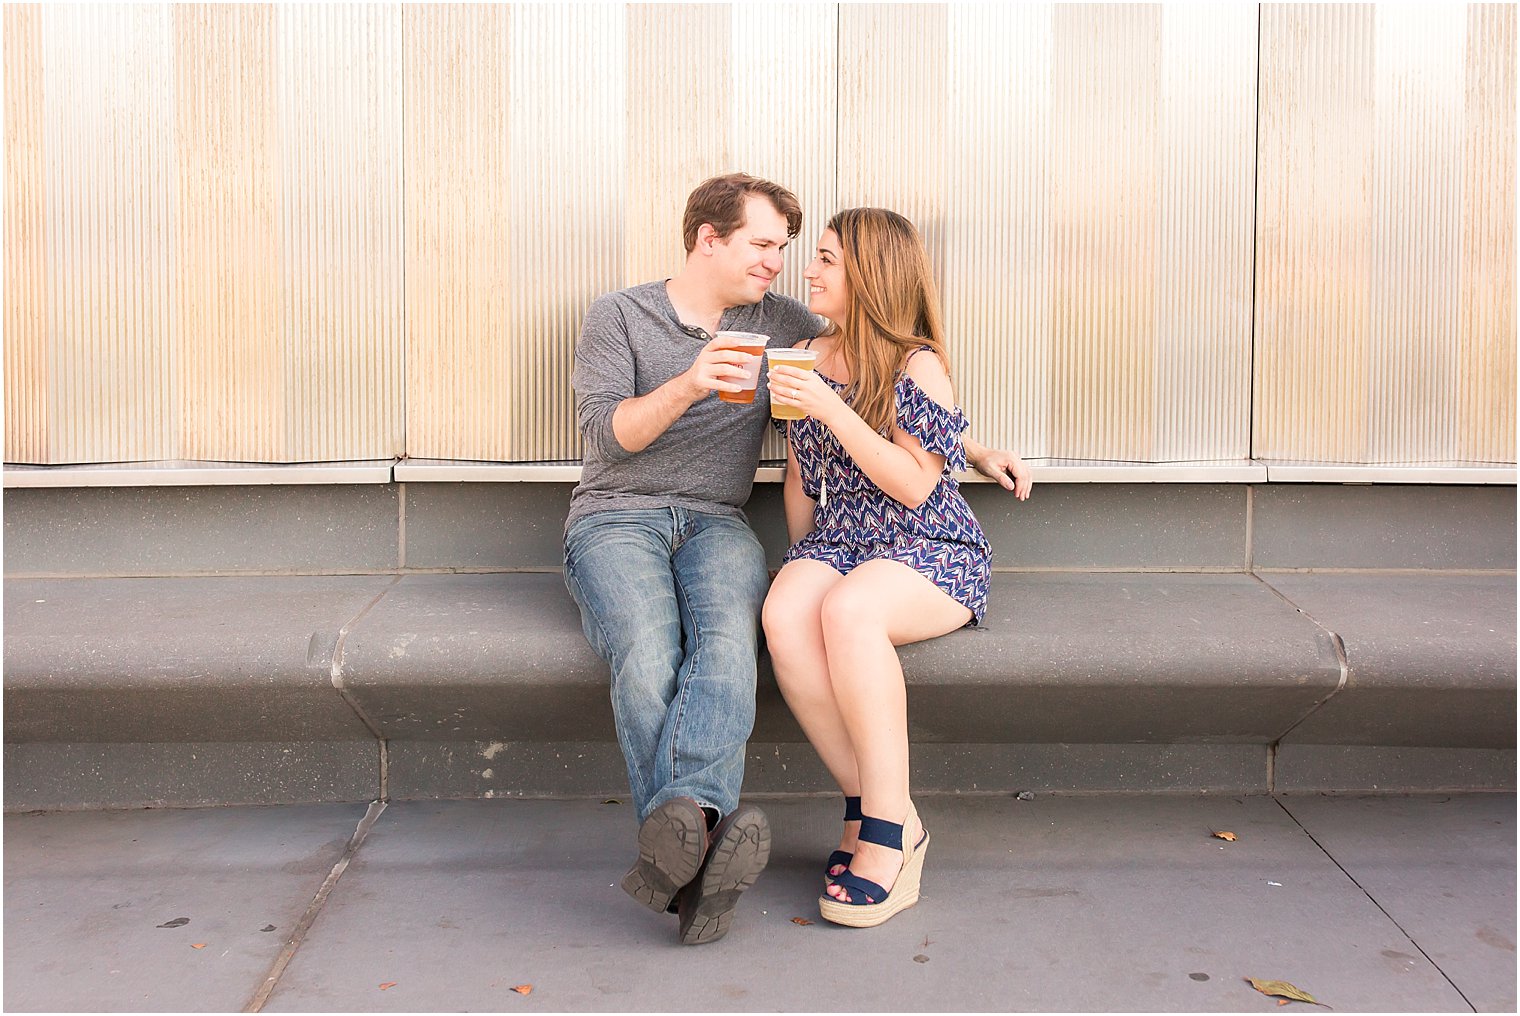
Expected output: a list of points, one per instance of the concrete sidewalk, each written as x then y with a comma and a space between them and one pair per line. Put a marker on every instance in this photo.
1394, 903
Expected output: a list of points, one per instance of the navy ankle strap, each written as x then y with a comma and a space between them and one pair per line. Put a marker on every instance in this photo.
881, 832
852, 809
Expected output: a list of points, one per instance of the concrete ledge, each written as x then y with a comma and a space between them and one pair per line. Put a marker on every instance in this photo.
1431, 658
54, 776
184, 473
422, 770
1324, 768
179, 660
126, 691
1420, 473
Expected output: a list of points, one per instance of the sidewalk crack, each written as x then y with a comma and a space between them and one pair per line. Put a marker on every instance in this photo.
298, 936
1391, 919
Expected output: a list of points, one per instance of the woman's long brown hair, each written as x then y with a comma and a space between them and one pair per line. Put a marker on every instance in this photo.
893, 308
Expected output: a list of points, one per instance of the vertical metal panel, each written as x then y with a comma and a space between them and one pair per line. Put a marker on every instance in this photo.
204, 221
1314, 243
106, 150
339, 71
1207, 221
1082, 175
1372, 346
1416, 234
1107, 174
230, 258
593, 135
1485, 361
563, 184
996, 269
892, 101
680, 94
455, 113
26, 303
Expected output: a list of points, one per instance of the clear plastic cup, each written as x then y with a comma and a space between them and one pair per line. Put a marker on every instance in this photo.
750, 342
802, 359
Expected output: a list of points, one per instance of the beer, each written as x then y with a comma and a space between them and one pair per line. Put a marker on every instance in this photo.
750, 342
803, 359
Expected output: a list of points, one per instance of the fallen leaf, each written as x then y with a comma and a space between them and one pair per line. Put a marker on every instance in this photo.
1225, 835
267, 927
387, 985
612, 800
801, 920
178, 922
523, 989
197, 945
1286, 990
920, 958
1282, 1001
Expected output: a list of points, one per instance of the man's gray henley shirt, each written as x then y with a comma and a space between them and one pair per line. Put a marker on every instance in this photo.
631, 343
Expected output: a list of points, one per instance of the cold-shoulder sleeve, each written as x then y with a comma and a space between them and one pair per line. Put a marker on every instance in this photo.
937, 428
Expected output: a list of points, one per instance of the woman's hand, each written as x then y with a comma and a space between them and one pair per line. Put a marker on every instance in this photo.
806, 390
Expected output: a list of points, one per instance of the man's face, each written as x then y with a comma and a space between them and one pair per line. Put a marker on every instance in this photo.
747, 261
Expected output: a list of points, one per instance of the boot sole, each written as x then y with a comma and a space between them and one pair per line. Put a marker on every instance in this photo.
739, 855
671, 842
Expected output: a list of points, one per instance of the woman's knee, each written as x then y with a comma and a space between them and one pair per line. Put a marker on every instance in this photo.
850, 610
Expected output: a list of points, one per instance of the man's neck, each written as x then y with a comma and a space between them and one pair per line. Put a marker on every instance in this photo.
695, 301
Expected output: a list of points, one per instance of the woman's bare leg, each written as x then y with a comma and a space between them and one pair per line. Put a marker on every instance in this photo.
794, 635
880, 605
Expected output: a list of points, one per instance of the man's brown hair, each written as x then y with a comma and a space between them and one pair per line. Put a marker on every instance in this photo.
719, 201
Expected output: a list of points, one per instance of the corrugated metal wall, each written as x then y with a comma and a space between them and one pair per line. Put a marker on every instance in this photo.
308, 232
1385, 323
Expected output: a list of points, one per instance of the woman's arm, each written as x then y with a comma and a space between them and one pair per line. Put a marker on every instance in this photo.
798, 506
900, 467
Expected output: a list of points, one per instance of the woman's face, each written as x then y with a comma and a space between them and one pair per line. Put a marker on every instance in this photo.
828, 292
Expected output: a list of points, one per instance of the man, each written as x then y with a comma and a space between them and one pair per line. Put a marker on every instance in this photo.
668, 576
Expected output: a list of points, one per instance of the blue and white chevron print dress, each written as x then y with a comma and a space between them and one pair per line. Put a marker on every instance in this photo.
854, 521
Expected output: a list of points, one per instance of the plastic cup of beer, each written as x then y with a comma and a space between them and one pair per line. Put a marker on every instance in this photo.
802, 359
750, 342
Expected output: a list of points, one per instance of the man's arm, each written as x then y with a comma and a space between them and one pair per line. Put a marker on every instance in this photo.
638, 421
614, 422
1003, 466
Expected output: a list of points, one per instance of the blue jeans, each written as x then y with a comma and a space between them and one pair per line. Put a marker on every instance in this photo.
670, 598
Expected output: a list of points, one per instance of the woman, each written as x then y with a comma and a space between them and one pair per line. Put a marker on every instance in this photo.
885, 550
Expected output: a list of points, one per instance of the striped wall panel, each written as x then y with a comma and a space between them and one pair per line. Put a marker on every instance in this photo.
1485, 366
229, 256
996, 274
332, 232
27, 321
564, 189
1082, 177
1386, 149
1202, 390
107, 243
549, 154
341, 231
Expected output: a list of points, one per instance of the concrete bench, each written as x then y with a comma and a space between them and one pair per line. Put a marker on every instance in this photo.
263, 689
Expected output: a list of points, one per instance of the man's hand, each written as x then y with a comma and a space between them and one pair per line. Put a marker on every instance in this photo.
1003, 466
718, 367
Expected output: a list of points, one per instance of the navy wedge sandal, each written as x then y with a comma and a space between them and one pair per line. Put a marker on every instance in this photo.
842, 858
869, 903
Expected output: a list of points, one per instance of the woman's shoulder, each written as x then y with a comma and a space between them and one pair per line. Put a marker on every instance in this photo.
822, 342
928, 373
